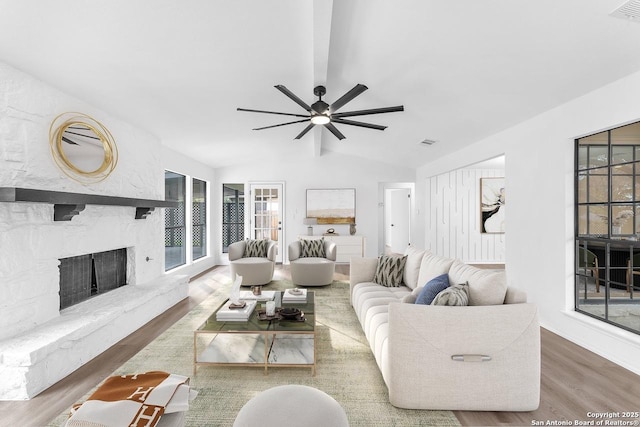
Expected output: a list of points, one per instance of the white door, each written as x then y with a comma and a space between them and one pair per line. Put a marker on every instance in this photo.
397, 219
267, 212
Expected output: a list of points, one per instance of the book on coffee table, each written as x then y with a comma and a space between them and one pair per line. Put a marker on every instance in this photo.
264, 296
238, 314
294, 295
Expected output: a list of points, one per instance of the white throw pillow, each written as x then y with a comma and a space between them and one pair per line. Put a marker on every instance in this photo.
433, 266
412, 266
486, 286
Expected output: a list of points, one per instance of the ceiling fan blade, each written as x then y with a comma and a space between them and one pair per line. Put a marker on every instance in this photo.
354, 123
304, 131
271, 112
281, 124
334, 131
357, 90
370, 111
293, 97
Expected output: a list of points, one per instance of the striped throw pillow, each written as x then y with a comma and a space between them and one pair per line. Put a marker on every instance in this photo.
390, 270
312, 248
453, 295
255, 248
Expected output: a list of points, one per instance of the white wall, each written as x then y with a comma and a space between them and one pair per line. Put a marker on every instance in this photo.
176, 162
453, 225
305, 171
540, 227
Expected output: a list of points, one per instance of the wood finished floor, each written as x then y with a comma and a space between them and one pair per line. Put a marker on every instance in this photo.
574, 380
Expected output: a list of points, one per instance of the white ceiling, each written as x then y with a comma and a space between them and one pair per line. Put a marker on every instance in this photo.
463, 69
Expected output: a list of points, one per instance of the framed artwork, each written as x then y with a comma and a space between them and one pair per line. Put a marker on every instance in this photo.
332, 206
492, 205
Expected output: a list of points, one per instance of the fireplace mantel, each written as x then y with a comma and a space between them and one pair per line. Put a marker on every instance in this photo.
68, 205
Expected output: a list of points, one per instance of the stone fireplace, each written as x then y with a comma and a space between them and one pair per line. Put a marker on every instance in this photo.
39, 343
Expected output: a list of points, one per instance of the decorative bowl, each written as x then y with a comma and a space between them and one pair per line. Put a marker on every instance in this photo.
290, 312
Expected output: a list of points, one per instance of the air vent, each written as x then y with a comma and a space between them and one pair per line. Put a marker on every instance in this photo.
428, 142
629, 11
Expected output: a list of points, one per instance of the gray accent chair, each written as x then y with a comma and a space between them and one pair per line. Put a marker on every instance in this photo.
254, 270
312, 271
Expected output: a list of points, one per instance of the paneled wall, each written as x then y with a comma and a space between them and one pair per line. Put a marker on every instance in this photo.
453, 217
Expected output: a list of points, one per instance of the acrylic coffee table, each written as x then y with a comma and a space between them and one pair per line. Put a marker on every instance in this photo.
259, 343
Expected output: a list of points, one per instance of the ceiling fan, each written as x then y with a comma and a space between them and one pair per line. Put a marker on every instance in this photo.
321, 113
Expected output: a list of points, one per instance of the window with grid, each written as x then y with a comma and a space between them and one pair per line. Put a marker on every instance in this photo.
607, 250
174, 221
199, 218
232, 214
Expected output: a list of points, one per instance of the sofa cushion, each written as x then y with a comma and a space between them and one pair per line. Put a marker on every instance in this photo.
412, 266
389, 270
375, 316
433, 288
368, 295
312, 248
431, 266
486, 286
457, 294
255, 248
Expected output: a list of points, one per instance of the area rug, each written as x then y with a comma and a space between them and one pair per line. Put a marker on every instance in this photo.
346, 369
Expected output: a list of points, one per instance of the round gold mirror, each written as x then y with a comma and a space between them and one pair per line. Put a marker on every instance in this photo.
82, 147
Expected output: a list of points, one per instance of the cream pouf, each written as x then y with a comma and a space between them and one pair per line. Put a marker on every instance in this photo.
292, 404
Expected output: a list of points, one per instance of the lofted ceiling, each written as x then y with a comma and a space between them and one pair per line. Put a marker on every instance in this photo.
463, 69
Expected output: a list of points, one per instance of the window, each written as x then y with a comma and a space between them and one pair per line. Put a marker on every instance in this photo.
199, 218
607, 251
174, 221
232, 214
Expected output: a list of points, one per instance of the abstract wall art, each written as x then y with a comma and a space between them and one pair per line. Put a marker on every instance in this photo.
492, 205
332, 206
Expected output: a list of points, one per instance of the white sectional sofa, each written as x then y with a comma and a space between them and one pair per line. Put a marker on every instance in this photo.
480, 357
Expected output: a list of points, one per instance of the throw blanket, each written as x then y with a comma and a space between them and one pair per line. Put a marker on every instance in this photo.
132, 401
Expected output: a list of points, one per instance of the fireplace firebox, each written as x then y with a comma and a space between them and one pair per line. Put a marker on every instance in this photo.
85, 276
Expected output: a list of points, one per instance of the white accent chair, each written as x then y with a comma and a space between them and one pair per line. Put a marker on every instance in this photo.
292, 404
312, 271
254, 270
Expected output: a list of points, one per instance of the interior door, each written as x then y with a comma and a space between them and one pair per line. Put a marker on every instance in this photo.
397, 219
267, 213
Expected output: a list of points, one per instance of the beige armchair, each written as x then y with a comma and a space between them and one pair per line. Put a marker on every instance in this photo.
312, 271
255, 270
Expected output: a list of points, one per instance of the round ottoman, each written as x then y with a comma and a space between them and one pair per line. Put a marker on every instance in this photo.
292, 404
312, 271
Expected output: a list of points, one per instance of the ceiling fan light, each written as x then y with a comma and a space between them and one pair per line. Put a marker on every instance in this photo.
320, 119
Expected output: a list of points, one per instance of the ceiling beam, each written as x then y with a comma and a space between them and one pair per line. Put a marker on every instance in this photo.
322, 12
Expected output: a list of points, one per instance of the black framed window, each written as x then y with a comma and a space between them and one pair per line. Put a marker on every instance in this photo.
175, 229
232, 214
199, 218
607, 218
